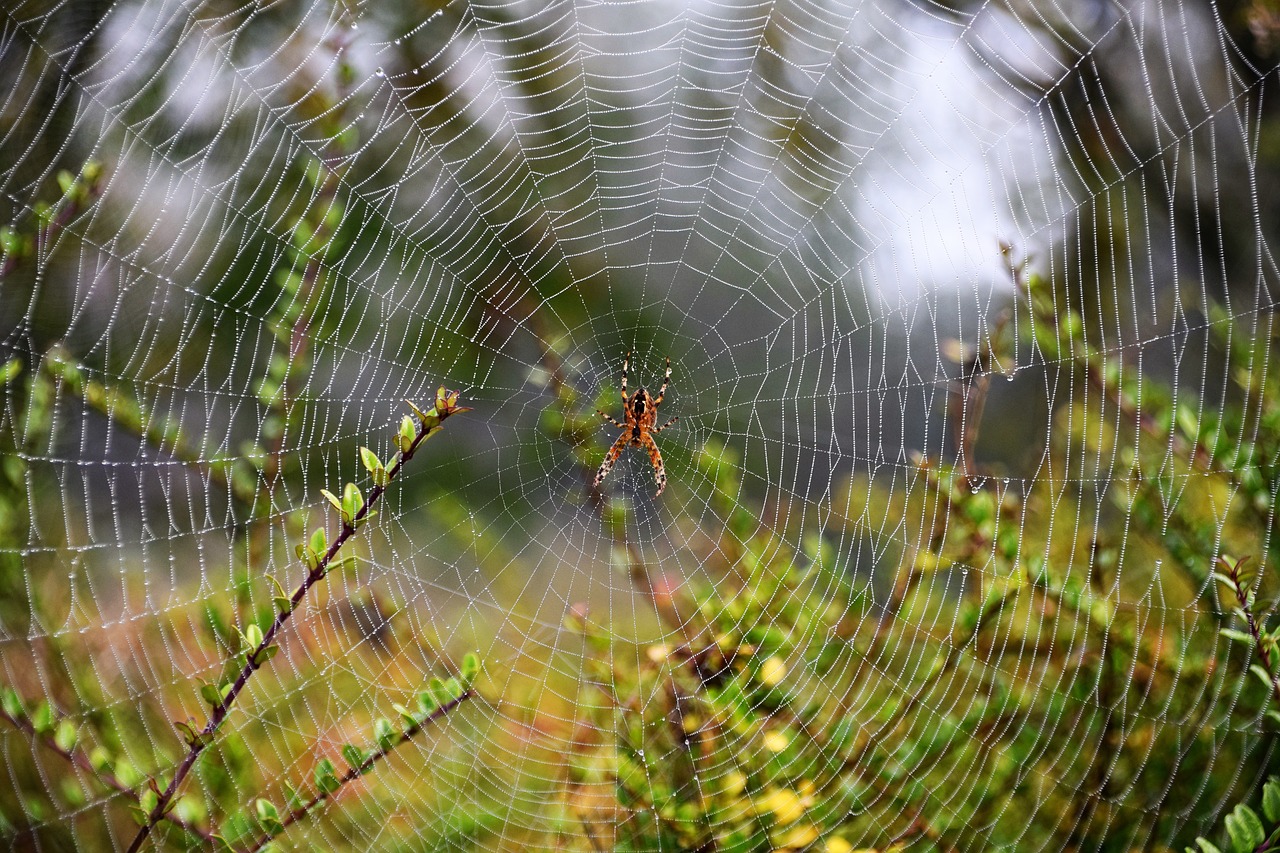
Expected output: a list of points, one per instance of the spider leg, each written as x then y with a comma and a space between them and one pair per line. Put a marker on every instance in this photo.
662, 392
655, 459
626, 362
664, 426
610, 458
610, 419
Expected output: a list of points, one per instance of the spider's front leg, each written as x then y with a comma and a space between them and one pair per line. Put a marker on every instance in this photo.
664, 426
611, 419
610, 458
666, 378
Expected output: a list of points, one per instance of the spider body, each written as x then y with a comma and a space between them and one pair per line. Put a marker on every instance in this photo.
640, 414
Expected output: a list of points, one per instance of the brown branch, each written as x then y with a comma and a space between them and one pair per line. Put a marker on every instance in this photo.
1244, 596
353, 773
446, 405
106, 777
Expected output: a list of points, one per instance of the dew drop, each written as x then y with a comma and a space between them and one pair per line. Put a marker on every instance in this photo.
379, 72
396, 42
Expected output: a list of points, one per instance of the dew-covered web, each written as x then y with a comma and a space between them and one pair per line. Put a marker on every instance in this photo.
957, 299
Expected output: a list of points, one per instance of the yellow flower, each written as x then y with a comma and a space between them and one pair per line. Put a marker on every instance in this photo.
773, 671
800, 835
657, 654
783, 803
836, 844
776, 741
734, 783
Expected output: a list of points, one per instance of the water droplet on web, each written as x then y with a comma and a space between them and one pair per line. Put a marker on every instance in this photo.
355, 26
397, 41
379, 72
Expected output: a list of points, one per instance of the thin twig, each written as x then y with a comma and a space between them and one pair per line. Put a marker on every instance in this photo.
303, 810
1245, 598
205, 736
106, 777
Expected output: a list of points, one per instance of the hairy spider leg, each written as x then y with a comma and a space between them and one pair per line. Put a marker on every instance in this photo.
662, 392
626, 362
610, 458
655, 459
611, 419
664, 426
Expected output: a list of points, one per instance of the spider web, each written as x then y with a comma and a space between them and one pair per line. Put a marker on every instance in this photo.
821, 212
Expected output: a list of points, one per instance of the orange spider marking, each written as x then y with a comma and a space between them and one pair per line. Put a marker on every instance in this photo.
640, 413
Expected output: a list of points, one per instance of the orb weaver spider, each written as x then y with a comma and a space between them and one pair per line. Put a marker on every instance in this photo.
640, 413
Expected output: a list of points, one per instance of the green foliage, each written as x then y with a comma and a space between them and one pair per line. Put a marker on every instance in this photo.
992, 694
1246, 832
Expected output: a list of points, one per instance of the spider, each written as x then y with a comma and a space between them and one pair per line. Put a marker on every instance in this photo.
640, 413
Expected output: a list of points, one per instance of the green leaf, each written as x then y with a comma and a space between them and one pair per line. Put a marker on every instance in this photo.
346, 563
189, 734
140, 816
326, 779
252, 636
354, 755
11, 370
384, 733
1205, 846
211, 693
1244, 829
1237, 636
427, 702
265, 655
405, 437
332, 498
100, 760
374, 466
282, 600
1263, 675
11, 703
319, 543
418, 412
352, 503
42, 718
407, 717
439, 691
470, 668
65, 736
268, 816
1271, 800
